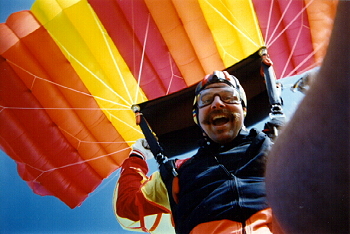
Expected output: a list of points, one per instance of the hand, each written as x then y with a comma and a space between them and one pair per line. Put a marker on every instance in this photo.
141, 149
272, 128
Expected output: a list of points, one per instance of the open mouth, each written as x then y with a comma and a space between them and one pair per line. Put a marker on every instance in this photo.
220, 120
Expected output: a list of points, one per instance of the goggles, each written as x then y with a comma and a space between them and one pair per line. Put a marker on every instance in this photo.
228, 95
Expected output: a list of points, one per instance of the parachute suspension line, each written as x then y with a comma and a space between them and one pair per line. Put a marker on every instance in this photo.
59, 108
165, 165
306, 59
142, 59
230, 23
228, 54
172, 75
34, 76
270, 40
269, 22
74, 90
96, 77
89, 142
288, 25
125, 123
268, 43
73, 164
32, 86
293, 48
106, 181
245, 32
133, 37
113, 59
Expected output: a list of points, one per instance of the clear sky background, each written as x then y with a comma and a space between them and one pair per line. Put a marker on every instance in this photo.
22, 211
9, 6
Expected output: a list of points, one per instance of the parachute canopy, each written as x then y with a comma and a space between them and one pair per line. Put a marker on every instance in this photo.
71, 69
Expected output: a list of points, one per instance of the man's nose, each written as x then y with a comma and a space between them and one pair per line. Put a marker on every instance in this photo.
217, 103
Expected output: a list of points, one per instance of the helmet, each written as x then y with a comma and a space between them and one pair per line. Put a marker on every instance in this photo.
218, 77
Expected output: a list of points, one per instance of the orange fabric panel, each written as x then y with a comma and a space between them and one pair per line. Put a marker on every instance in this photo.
200, 35
75, 125
260, 222
321, 15
218, 227
177, 40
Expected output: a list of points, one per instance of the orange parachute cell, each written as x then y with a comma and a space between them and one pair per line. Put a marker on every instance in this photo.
321, 15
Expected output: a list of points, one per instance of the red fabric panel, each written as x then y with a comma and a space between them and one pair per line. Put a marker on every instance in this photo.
138, 16
285, 28
128, 23
298, 34
175, 36
30, 137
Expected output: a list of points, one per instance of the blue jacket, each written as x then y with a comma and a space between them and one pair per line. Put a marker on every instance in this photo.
221, 182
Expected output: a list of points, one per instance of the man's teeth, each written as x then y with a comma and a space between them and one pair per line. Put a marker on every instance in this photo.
219, 117
219, 120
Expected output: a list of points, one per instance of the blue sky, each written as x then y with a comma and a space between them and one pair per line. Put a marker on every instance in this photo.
7, 7
22, 211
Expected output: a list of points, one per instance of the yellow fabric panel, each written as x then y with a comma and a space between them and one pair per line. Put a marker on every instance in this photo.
155, 183
38, 9
199, 33
321, 15
176, 38
95, 58
234, 27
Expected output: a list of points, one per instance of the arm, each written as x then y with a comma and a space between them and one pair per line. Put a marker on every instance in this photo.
140, 201
130, 198
308, 169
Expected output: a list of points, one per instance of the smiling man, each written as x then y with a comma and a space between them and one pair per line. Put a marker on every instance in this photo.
221, 189
220, 107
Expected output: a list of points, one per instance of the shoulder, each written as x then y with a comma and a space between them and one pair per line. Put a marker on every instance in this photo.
180, 162
257, 135
260, 142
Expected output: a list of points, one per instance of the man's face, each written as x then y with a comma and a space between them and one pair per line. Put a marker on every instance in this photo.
220, 112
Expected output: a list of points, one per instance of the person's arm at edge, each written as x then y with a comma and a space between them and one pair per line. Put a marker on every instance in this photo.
307, 175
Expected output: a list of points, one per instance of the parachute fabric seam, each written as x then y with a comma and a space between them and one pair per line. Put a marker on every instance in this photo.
99, 25
287, 26
62, 86
142, 59
234, 26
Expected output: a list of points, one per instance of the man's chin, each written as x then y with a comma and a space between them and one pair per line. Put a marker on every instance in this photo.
223, 138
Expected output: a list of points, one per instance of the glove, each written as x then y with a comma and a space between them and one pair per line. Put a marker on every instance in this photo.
272, 127
141, 149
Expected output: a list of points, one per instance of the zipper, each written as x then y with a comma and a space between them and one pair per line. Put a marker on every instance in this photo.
236, 188
224, 168
234, 178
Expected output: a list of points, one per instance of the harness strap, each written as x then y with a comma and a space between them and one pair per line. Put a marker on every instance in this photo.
156, 149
